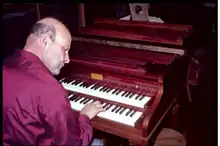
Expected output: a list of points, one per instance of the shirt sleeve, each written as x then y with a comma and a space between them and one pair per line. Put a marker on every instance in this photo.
69, 127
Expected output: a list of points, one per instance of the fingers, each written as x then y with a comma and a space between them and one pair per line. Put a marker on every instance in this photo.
101, 109
97, 102
98, 106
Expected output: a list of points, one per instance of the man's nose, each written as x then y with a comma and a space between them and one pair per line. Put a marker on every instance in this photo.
67, 59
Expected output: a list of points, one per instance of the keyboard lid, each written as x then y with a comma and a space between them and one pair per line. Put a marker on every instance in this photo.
120, 60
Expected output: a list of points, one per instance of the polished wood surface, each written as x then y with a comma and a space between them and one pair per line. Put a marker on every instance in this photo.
139, 31
153, 74
130, 45
151, 84
177, 27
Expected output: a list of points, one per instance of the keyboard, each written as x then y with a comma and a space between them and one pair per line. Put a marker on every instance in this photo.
112, 112
104, 92
137, 82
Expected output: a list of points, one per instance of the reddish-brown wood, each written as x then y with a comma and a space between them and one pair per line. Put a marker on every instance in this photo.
122, 55
118, 68
153, 74
139, 31
137, 36
143, 24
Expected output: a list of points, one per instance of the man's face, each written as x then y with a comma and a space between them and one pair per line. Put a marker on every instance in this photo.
56, 53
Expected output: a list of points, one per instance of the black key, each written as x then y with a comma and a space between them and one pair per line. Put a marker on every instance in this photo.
76, 83
109, 90
119, 91
127, 94
69, 94
103, 103
94, 86
128, 112
61, 80
86, 85
137, 97
142, 97
114, 91
81, 85
120, 108
87, 101
74, 97
71, 98
102, 88
121, 112
68, 81
65, 80
83, 100
94, 100
132, 94
98, 86
124, 93
108, 107
114, 108
73, 82
105, 106
132, 113
105, 89
78, 99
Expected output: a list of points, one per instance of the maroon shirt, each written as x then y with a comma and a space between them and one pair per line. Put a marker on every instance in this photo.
36, 110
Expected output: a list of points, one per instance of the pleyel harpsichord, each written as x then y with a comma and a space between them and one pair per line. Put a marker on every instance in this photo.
136, 69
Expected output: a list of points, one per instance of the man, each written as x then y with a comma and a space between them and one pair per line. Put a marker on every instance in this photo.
36, 110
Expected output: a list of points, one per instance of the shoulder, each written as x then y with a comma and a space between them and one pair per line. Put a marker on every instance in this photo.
48, 90
49, 96
16, 78
49, 93
52, 95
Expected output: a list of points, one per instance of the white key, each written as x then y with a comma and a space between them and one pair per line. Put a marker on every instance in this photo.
109, 96
108, 114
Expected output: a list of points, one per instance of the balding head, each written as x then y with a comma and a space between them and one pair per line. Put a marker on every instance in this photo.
50, 40
57, 28
52, 27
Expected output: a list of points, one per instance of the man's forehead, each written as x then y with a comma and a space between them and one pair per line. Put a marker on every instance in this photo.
63, 40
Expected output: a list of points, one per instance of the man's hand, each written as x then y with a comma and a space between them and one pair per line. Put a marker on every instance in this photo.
92, 109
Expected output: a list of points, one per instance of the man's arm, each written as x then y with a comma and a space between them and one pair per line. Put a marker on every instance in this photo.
69, 128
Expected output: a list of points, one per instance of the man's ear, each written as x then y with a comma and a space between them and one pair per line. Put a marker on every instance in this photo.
45, 41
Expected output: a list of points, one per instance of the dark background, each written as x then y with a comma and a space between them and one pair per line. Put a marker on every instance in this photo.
203, 129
